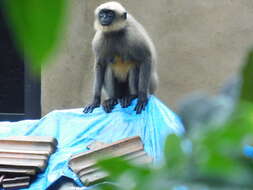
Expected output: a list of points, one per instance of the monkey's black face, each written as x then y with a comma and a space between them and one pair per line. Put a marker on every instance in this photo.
106, 17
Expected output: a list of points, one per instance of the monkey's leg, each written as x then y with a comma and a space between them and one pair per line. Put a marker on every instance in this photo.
143, 84
126, 100
99, 80
110, 86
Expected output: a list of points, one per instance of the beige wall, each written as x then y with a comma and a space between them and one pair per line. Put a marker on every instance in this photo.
199, 43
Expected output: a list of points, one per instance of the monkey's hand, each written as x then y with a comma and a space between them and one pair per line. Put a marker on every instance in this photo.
126, 101
109, 104
141, 103
89, 108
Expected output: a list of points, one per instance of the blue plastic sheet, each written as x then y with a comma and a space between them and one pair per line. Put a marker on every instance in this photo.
75, 130
248, 151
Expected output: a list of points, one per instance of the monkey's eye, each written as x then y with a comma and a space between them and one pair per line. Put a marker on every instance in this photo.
110, 14
102, 14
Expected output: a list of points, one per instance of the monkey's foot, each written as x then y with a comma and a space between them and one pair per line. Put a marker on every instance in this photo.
89, 108
141, 104
109, 104
126, 101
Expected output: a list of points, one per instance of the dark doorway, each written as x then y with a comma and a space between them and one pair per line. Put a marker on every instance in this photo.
19, 92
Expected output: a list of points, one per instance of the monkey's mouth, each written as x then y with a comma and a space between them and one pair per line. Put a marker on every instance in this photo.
105, 22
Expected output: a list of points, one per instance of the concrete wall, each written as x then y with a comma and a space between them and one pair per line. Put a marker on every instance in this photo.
200, 43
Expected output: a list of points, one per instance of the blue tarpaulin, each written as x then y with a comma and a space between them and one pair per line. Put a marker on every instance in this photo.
74, 130
248, 151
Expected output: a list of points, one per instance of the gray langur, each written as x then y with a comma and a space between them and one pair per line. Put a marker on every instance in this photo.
125, 59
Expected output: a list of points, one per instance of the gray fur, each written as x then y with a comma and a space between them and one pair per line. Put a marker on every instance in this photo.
132, 44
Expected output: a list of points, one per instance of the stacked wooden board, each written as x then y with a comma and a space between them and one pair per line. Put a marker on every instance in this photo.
84, 164
21, 158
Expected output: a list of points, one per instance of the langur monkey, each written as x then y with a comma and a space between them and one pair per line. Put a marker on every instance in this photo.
125, 59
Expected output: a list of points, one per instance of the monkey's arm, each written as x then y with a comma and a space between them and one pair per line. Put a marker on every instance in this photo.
144, 80
99, 81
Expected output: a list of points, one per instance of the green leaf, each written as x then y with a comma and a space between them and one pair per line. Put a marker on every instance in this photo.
105, 186
128, 176
219, 151
174, 154
117, 166
36, 25
247, 79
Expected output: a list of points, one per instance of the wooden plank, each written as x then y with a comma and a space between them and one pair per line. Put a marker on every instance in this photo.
93, 177
17, 170
40, 165
118, 148
16, 182
139, 157
40, 139
23, 156
28, 145
16, 186
96, 145
87, 170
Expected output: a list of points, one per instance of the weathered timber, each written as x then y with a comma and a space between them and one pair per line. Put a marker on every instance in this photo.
116, 149
18, 170
16, 182
84, 164
14, 162
28, 145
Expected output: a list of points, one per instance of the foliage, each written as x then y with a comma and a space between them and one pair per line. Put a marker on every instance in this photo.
210, 158
36, 26
247, 91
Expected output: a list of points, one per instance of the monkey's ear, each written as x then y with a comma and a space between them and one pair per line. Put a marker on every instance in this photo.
124, 15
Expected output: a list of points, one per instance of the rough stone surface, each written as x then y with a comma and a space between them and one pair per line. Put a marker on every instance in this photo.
200, 43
